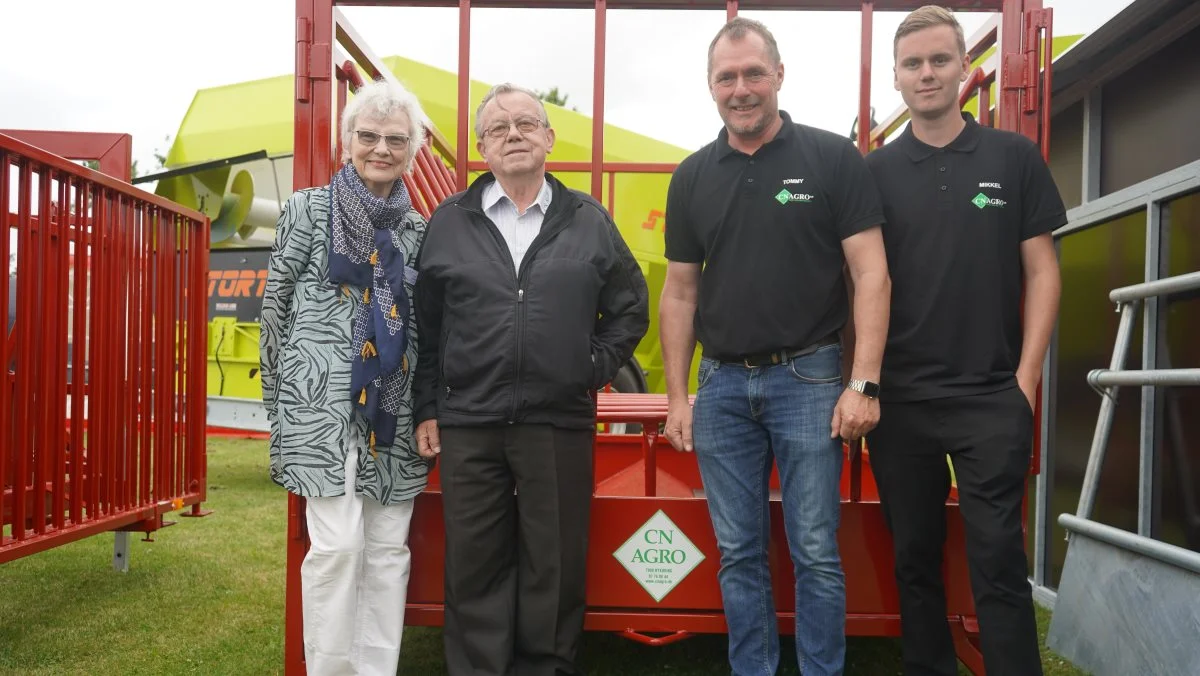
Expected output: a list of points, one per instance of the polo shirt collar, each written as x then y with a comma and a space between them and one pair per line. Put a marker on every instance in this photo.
965, 142
786, 132
493, 193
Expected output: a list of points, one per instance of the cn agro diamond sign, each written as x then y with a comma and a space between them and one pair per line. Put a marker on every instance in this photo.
658, 555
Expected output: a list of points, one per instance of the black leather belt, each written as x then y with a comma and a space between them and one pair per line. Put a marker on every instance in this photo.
782, 356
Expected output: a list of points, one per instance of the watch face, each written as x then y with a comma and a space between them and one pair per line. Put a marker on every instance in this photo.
871, 389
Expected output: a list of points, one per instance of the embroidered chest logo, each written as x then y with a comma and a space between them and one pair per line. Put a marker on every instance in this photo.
784, 196
983, 201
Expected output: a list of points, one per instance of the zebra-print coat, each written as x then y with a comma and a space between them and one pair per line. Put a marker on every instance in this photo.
305, 358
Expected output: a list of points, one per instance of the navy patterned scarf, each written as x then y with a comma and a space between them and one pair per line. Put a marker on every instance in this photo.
366, 252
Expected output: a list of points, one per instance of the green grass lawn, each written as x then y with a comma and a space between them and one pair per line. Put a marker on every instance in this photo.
207, 598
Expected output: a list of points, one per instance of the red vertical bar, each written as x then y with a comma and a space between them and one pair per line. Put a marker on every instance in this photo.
79, 346
174, 350
731, 9
342, 87
985, 105
598, 102
127, 421
116, 356
183, 311
6, 424
322, 89
1030, 55
293, 644
187, 303
139, 318
106, 325
133, 423
41, 355
864, 82
302, 131
149, 366
198, 380
1047, 87
164, 395
26, 301
177, 312
130, 422
177, 245
464, 91
650, 459
112, 343
1008, 111
612, 192
59, 312
92, 443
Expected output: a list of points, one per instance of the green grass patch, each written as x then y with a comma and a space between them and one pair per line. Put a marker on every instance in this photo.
206, 597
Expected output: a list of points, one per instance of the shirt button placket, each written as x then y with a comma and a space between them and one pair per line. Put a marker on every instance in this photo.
942, 177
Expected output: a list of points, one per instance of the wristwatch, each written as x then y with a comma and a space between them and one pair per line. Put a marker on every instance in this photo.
865, 387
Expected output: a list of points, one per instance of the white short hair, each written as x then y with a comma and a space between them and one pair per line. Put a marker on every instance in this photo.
506, 88
380, 99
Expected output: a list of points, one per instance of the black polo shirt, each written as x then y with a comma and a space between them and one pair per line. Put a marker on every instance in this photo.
768, 228
956, 218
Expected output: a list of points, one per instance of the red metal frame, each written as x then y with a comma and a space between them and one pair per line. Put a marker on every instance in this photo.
113, 152
638, 475
126, 260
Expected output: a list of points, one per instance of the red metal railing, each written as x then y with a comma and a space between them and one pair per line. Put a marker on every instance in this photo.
102, 395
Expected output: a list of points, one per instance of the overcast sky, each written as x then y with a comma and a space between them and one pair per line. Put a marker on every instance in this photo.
134, 66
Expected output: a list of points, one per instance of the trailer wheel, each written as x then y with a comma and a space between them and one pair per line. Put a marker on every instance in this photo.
628, 379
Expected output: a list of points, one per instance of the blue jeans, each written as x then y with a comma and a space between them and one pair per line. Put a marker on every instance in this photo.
743, 417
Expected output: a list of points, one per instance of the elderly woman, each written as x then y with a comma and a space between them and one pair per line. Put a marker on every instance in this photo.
338, 347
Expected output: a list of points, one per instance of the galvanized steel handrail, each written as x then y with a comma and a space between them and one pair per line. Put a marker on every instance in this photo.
1158, 287
1106, 381
1162, 551
102, 385
1153, 377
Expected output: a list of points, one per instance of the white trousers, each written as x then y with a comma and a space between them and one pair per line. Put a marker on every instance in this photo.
354, 582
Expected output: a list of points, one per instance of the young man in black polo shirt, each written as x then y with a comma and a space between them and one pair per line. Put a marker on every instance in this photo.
774, 211
969, 211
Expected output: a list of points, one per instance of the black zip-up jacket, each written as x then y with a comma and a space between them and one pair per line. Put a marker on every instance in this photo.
532, 347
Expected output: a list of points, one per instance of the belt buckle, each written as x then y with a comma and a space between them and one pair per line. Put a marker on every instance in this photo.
777, 358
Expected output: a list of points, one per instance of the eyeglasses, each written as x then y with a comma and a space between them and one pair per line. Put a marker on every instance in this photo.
750, 77
524, 125
371, 139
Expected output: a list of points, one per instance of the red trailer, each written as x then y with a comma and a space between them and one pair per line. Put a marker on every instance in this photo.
644, 489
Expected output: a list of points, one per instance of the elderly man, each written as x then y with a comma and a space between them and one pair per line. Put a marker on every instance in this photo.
530, 301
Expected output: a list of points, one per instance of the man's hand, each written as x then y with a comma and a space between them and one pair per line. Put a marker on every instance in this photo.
429, 441
679, 425
1029, 389
854, 416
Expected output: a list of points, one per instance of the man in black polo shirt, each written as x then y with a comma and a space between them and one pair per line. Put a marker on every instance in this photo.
773, 211
969, 211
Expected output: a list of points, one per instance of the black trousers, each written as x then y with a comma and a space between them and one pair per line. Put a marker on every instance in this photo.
989, 438
515, 564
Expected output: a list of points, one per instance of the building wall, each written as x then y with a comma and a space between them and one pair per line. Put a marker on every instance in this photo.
1066, 152
1151, 116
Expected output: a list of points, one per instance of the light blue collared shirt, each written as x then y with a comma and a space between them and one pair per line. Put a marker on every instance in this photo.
519, 230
